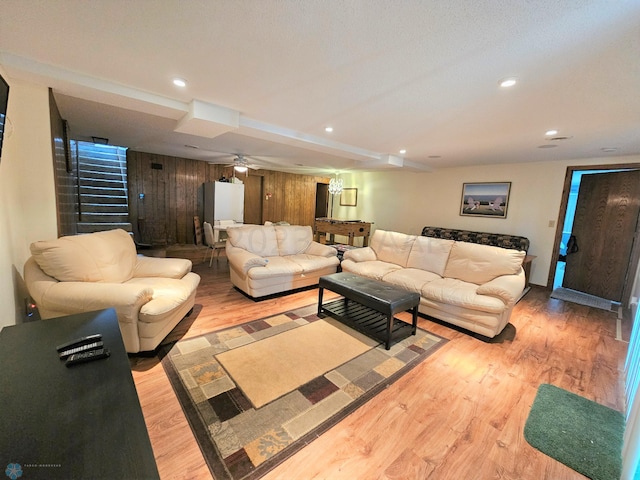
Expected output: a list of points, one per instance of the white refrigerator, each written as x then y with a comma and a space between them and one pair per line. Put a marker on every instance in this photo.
223, 201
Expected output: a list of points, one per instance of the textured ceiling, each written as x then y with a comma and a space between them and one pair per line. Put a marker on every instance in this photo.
266, 76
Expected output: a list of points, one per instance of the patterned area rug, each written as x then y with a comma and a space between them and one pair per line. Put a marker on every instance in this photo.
581, 298
240, 441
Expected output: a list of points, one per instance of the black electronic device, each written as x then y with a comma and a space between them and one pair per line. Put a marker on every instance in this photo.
82, 348
87, 356
79, 342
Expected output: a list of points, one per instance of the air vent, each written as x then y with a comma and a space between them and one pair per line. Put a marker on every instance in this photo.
547, 146
156, 166
559, 139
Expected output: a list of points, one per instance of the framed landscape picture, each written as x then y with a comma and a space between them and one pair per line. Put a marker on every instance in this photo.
485, 199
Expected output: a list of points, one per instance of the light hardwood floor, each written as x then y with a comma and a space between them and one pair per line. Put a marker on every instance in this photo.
458, 415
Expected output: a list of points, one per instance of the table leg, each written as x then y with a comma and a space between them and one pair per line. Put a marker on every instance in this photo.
389, 330
320, 292
414, 324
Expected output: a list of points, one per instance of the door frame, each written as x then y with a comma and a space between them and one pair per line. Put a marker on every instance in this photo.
566, 190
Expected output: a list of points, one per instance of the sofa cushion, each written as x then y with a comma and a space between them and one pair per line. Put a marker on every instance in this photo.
430, 254
168, 295
276, 267
480, 264
293, 239
108, 256
412, 279
458, 293
257, 239
312, 263
392, 247
374, 269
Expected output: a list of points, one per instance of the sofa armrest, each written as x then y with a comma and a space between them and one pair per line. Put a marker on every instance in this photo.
365, 254
316, 248
161, 267
505, 287
77, 297
244, 260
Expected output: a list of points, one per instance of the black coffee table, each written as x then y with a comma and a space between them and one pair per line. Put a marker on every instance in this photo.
369, 306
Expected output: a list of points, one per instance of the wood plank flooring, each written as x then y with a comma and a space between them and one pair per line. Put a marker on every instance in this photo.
458, 415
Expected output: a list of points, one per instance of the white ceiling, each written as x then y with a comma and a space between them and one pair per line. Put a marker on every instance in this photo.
265, 77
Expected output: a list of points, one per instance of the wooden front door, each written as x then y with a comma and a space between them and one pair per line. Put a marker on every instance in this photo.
253, 199
604, 227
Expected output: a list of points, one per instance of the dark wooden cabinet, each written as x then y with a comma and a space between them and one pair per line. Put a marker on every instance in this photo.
74, 422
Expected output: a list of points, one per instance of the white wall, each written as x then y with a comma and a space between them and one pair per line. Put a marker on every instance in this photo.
27, 192
408, 201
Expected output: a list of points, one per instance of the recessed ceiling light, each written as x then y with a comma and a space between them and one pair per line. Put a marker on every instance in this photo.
179, 82
403, 151
508, 82
609, 149
551, 132
328, 129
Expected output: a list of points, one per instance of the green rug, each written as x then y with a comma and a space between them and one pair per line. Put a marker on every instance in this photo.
578, 432
242, 434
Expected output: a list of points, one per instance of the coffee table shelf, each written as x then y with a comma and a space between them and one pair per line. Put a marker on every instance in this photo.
371, 305
367, 321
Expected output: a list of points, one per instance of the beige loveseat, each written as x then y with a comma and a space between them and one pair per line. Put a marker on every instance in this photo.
469, 285
83, 273
268, 259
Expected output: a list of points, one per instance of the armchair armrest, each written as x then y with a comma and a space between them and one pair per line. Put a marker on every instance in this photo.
505, 287
161, 267
316, 248
76, 297
244, 260
365, 254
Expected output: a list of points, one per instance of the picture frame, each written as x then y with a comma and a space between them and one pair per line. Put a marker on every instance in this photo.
485, 199
349, 197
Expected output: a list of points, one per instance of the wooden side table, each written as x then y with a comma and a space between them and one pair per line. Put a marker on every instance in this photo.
526, 265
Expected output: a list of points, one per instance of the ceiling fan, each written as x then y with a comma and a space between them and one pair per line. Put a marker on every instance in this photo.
240, 163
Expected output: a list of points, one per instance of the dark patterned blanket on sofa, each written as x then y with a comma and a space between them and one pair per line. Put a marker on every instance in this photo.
495, 239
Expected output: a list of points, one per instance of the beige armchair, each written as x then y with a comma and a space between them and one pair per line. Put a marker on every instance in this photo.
100, 270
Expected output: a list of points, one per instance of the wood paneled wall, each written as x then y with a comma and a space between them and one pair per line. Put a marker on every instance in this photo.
172, 194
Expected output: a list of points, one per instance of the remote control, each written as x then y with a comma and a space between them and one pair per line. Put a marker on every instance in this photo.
82, 348
87, 356
79, 341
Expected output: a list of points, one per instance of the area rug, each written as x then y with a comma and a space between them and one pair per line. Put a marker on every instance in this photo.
257, 393
578, 432
581, 298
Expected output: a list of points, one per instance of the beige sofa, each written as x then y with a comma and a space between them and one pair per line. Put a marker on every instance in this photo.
90, 272
268, 259
469, 285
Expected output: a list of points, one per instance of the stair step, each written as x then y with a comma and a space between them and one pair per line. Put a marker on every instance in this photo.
90, 227
102, 182
95, 217
90, 199
93, 190
113, 208
100, 175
